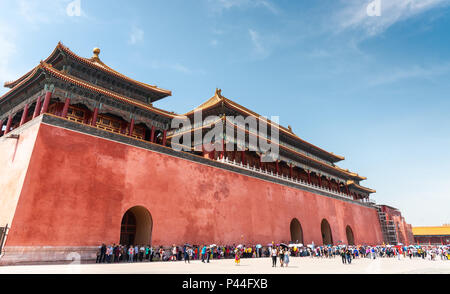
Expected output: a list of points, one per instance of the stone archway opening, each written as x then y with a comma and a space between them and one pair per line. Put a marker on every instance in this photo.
327, 236
136, 227
296, 231
350, 236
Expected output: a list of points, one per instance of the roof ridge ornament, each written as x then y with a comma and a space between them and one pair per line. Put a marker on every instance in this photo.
218, 93
290, 129
96, 51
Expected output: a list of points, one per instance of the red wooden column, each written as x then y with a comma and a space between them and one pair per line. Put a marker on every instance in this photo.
339, 187
94, 117
8, 124
152, 136
278, 167
164, 137
235, 155
37, 109
130, 130
309, 177
290, 171
66, 108
47, 98
320, 180
24, 115
346, 190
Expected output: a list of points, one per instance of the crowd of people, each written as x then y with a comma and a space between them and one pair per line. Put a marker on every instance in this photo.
116, 253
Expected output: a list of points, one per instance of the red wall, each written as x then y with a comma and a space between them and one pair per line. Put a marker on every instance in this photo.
78, 187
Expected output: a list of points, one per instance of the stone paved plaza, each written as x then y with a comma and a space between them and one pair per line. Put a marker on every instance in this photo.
297, 265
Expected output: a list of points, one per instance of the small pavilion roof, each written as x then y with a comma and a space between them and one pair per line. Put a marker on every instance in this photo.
352, 183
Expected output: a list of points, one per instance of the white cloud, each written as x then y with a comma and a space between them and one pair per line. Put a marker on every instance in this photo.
214, 43
178, 67
257, 43
319, 53
7, 51
415, 71
136, 35
353, 14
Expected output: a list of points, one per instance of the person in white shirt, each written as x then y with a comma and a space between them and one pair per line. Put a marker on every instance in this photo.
274, 254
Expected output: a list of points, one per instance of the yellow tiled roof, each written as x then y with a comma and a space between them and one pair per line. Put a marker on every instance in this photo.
429, 231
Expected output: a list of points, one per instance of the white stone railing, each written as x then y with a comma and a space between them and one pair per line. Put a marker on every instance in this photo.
289, 179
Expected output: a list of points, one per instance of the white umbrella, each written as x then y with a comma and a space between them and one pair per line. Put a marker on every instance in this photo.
292, 245
240, 246
259, 246
213, 245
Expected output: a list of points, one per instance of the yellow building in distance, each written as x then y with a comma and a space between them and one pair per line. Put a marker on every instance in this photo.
432, 235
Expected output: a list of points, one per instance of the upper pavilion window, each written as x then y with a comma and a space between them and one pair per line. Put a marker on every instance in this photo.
76, 114
108, 123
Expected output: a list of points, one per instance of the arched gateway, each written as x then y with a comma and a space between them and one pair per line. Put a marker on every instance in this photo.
350, 236
136, 227
325, 228
296, 231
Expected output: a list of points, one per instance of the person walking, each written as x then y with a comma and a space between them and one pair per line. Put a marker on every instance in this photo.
185, 253
237, 257
141, 253
281, 257
208, 254
348, 253
286, 257
136, 253
344, 259
131, 253
274, 255
190, 254
203, 253
109, 252
174, 253
102, 253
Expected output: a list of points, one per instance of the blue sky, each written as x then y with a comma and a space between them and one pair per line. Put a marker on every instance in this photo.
374, 89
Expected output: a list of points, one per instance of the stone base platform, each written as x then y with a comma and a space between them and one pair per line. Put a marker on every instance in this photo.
31, 255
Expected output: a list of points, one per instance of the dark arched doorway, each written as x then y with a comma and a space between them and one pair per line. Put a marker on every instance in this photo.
350, 236
296, 231
327, 237
136, 227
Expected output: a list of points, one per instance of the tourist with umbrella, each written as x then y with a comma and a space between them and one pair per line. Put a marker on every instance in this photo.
258, 250
283, 248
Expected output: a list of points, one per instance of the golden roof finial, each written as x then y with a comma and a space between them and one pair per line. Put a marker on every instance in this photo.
290, 129
218, 92
96, 52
